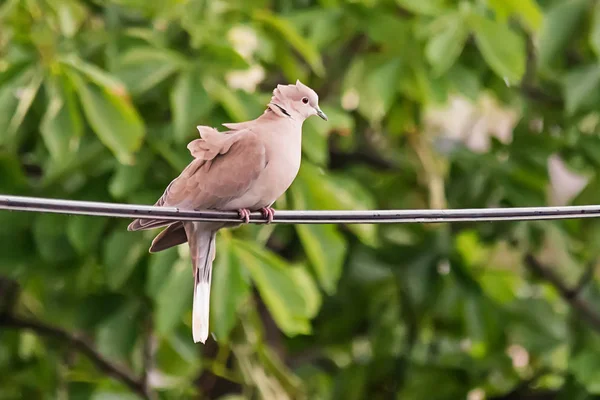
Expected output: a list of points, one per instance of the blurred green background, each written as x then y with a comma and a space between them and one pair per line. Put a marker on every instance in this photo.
432, 104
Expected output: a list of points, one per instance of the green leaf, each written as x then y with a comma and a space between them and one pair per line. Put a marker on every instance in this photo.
595, 30
49, 232
122, 251
585, 367
85, 233
129, 178
224, 56
159, 269
425, 7
71, 15
445, 46
288, 33
314, 141
528, 10
228, 100
26, 97
116, 336
283, 293
114, 120
94, 74
174, 298
560, 23
337, 192
501, 48
189, 104
62, 124
230, 287
378, 90
582, 88
142, 68
323, 244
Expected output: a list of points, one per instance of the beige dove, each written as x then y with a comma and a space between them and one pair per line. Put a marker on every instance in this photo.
246, 169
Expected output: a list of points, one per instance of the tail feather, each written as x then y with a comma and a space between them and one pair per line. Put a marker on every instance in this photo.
173, 235
202, 251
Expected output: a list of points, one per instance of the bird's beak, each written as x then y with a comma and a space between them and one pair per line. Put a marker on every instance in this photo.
321, 114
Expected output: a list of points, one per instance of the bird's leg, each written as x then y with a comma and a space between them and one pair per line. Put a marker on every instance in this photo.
244, 214
268, 213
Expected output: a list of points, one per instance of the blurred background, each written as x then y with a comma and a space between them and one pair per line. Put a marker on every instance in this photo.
432, 104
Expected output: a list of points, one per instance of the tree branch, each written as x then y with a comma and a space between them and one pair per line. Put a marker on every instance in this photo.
571, 296
78, 343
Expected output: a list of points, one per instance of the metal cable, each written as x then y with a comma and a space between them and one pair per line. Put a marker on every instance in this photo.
19, 203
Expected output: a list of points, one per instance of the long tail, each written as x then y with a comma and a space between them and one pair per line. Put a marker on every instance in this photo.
202, 250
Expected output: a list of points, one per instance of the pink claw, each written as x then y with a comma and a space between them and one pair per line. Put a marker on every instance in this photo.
244, 214
268, 213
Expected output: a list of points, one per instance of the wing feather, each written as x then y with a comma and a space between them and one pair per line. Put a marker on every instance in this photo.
226, 170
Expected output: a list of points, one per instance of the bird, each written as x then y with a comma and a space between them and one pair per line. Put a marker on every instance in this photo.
244, 169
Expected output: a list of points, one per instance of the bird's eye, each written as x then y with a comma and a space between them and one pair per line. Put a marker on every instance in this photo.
305, 100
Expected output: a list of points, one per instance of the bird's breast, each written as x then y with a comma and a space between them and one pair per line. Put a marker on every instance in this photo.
283, 162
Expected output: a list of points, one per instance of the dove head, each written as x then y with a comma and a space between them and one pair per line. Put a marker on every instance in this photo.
295, 101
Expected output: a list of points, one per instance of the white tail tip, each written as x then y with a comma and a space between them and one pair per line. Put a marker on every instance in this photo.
200, 312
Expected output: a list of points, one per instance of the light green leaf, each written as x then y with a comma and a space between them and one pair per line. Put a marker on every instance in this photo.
174, 298
445, 46
288, 33
230, 287
582, 88
26, 96
425, 7
189, 104
323, 244
85, 232
339, 192
560, 23
378, 90
502, 49
113, 118
290, 306
71, 15
62, 124
11, 81
142, 68
122, 251
228, 100
527, 10
95, 74
314, 141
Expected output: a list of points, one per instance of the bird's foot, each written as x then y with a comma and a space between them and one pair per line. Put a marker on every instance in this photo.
244, 214
268, 213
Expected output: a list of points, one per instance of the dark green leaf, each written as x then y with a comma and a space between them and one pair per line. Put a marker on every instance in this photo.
174, 298
560, 23
230, 287
122, 251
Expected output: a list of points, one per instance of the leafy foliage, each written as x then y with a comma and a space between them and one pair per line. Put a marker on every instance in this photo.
432, 103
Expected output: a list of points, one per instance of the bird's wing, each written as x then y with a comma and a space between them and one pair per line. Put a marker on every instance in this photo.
224, 168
